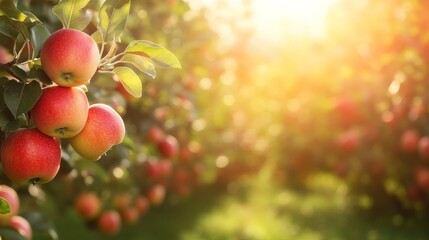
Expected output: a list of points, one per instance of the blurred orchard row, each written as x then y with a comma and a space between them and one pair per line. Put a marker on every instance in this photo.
351, 103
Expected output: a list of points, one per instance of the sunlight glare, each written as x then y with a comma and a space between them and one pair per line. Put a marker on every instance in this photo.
272, 17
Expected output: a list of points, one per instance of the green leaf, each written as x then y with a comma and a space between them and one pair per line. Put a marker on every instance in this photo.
21, 97
38, 73
158, 54
8, 8
38, 36
141, 63
4, 206
7, 122
113, 16
130, 80
71, 15
19, 72
97, 36
7, 29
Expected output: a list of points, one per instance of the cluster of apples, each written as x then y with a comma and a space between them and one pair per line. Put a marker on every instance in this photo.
70, 58
108, 219
12, 219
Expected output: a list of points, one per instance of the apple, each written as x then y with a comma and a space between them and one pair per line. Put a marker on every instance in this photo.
156, 194
349, 141
22, 226
60, 111
70, 57
168, 146
165, 167
155, 134
27, 155
142, 204
88, 205
130, 214
109, 222
421, 176
5, 56
122, 200
424, 147
185, 154
410, 140
103, 129
158, 170
153, 170
10, 195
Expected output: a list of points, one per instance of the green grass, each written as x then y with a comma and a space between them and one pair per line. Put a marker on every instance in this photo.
256, 210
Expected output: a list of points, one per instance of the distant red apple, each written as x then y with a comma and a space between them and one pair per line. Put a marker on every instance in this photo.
424, 147
165, 167
422, 178
168, 146
122, 200
349, 140
410, 140
156, 194
87, 205
346, 110
155, 134
153, 170
130, 214
142, 204
185, 154
109, 222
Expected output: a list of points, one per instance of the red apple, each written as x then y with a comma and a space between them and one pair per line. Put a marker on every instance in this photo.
168, 146
22, 226
349, 140
142, 204
88, 205
410, 140
185, 154
70, 57
156, 194
424, 147
10, 195
158, 170
61, 111
155, 134
5, 56
130, 214
122, 200
165, 167
422, 178
103, 129
27, 155
109, 222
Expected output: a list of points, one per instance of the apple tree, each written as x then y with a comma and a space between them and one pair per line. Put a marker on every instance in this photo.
69, 77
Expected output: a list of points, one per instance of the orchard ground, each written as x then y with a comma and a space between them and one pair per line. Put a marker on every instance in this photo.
255, 209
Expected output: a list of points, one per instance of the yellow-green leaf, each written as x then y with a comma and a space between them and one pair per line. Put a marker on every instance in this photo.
160, 56
130, 80
141, 63
71, 15
113, 16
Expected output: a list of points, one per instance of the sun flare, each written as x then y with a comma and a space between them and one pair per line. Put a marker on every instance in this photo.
273, 17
